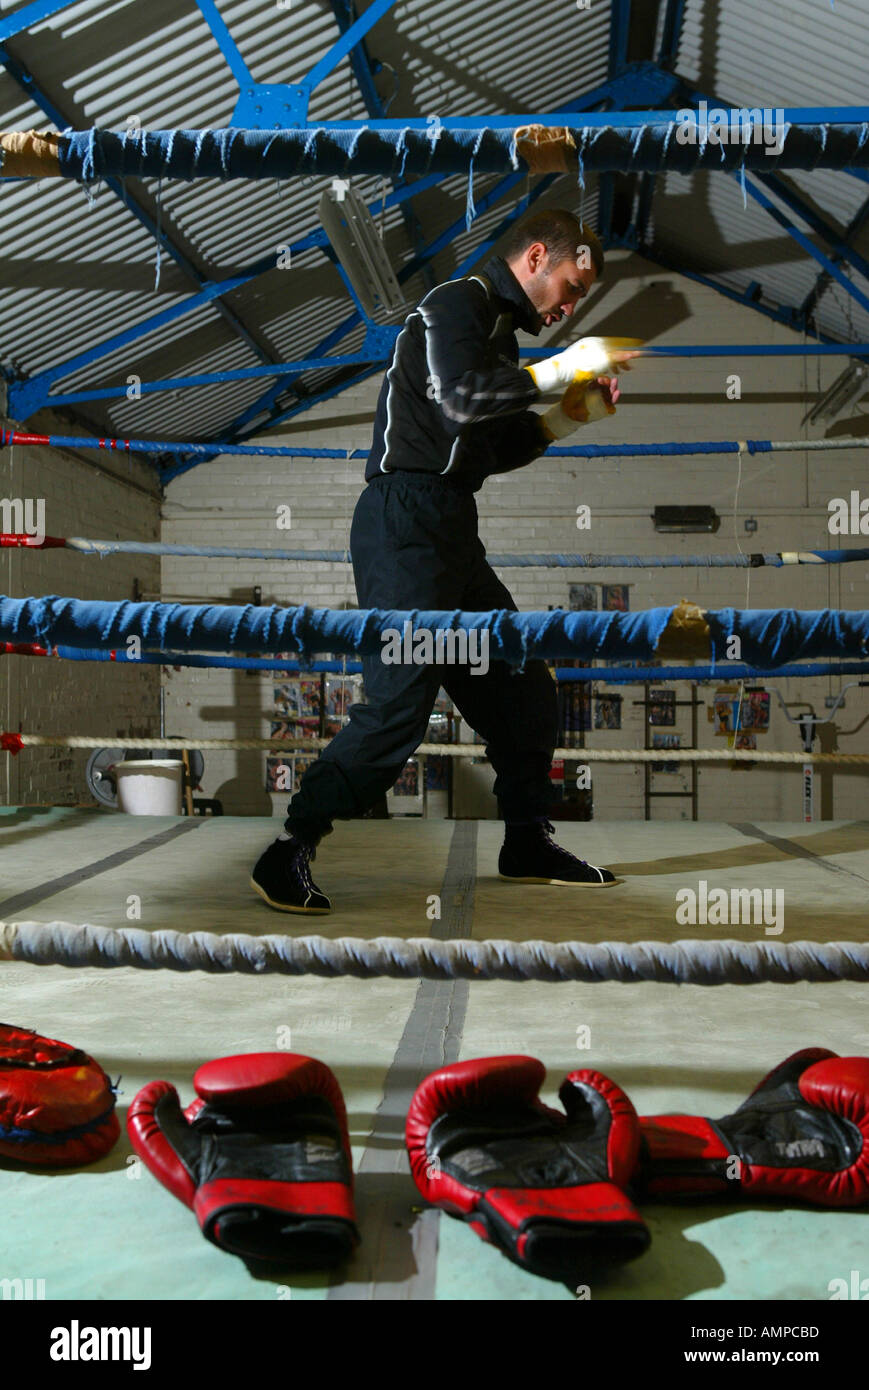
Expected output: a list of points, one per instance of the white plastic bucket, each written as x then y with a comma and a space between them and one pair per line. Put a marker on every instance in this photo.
150, 787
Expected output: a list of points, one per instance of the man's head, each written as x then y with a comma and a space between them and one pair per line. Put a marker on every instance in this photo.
556, 259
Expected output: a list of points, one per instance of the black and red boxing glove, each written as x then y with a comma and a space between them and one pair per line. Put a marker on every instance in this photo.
803, 1133
57, 1105
543, 1186
262, 1157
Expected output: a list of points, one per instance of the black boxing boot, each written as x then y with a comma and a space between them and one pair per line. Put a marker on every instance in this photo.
282, 877
530, 855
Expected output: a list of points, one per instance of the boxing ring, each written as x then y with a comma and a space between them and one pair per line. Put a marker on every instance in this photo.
152, 936
153, 932
671, 1046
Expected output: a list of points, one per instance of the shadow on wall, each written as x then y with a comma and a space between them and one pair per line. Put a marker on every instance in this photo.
240, 796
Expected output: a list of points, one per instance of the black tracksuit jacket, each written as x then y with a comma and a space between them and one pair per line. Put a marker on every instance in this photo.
454, 401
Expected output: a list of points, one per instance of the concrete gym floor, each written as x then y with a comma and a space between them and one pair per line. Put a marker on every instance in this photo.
112, 1231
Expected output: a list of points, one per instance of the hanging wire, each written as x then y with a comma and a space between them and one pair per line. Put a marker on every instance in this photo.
738, 720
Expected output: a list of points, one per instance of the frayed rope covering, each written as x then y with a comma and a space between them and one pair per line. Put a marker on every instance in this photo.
677, 962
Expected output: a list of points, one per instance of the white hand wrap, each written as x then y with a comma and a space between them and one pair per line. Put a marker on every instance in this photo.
559, 424
586, 358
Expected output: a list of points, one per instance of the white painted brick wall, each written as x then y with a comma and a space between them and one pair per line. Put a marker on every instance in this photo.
104, 500
535, 509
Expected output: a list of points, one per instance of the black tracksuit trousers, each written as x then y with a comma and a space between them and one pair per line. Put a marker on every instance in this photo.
414, 544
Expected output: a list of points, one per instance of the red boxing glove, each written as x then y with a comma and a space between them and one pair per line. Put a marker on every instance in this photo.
262, 1157
57, 1106
803, 1132
543, 1186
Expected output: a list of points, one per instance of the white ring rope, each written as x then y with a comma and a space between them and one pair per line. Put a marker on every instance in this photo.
677, 962
449, 750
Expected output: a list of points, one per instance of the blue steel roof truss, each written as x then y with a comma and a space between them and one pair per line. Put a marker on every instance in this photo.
280, 106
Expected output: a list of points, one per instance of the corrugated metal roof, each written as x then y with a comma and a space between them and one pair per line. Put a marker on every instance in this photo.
80, 268
804, 53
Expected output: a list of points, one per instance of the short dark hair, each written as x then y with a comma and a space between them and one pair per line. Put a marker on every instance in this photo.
562, 234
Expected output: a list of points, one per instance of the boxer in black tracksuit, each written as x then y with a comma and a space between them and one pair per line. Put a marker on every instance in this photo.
453, 409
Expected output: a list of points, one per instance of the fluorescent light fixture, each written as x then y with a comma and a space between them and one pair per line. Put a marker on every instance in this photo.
361, 254
845, 391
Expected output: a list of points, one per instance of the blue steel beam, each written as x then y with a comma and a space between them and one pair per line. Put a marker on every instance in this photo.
652, 83
792, 199
638, 81
314, 363
672, 31
616, 118
264, 104
181, 383
620, 23
504, 186
360, 61
840, 244
184, 465
380, 357
225, 42
854, 226
25, 397
28, 15
268, 400
805, 242
24, 79
749, 297
33, 393
357, 31
349, 287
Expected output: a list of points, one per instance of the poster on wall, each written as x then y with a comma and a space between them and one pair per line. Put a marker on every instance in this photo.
437, 773
309, 690
279, 773
287, 700
437, 768
754, 713
723, 711
744, 743
279, 766
407, 783
405, 798
662, 707
582, 597
615, 598
665, 741
301, 763
575, 703
341, 693
607, 711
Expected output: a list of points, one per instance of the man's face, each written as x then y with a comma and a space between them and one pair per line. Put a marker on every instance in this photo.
554, 290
